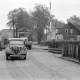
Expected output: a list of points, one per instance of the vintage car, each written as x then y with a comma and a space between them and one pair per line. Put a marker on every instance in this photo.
0, 46
16, 48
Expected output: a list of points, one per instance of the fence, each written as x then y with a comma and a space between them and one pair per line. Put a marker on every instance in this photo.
69, 48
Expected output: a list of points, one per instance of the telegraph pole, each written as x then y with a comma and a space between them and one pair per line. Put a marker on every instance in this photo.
50, 18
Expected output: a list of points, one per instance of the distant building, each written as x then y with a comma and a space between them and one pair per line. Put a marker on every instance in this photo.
70, 31
23, 32
5, 34
53, 34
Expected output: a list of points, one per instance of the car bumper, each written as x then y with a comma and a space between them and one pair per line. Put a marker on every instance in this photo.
20, 55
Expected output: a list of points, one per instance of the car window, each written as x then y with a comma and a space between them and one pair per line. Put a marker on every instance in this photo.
17, 42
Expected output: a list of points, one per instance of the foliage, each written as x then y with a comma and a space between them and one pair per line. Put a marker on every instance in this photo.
74, 18
11, 17
41, 17
19, 18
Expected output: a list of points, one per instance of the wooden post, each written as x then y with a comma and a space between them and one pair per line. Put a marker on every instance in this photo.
69, 50
63, 50
76, 51
72, 51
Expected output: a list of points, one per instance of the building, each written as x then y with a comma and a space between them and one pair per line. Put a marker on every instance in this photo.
53, 34
5, 34
71, 31
23, 32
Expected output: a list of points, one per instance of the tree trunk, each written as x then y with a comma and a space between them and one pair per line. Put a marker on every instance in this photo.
39, 38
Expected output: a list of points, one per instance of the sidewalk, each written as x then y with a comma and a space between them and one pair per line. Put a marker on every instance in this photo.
71, 59
62, 57
67, 58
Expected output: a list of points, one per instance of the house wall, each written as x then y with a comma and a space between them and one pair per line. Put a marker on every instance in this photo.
59, 37
59, 34
5, 34
52, 35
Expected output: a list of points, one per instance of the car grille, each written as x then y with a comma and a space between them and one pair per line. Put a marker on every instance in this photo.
16, 50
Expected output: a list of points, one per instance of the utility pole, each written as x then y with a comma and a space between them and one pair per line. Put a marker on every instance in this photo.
16, 32
55, 28
50, 20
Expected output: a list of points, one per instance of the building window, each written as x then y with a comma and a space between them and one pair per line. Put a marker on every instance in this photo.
66, 30
71, 30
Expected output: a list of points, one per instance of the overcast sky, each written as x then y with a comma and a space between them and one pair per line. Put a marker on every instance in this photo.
62, 9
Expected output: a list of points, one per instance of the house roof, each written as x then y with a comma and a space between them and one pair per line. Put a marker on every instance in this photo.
76, 24
24, 30
58, 24
61, 31
5, 30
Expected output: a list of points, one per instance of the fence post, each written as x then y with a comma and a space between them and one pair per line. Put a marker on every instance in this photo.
63, 50
76, 51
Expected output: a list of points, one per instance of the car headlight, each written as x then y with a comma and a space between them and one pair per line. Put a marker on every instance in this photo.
25, 48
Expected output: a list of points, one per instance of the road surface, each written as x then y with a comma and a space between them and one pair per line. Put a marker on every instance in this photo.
39, 65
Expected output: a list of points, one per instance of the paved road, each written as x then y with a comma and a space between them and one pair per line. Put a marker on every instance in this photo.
40, 65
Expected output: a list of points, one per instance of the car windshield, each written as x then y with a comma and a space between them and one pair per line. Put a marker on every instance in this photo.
16, 42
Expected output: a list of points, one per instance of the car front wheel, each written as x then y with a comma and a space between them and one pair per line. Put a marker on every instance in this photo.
24, 58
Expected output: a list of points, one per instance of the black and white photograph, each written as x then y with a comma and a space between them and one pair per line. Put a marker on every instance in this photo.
39, 39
